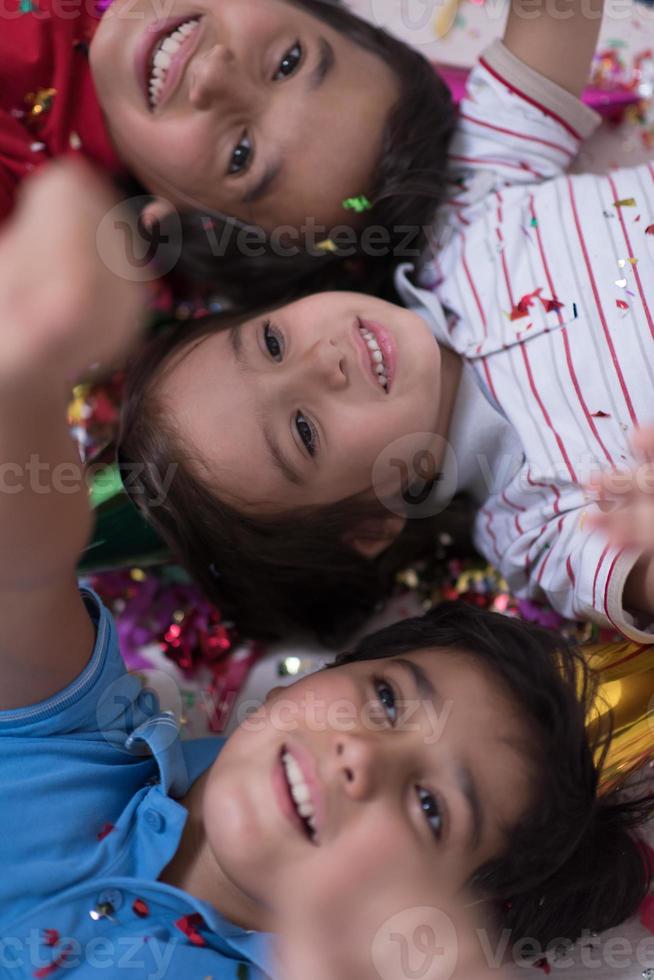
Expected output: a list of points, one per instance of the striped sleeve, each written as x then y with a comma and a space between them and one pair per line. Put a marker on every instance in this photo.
517, 124
566, 563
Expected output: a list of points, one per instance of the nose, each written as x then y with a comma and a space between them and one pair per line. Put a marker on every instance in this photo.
358, 765
326, 364
213, 74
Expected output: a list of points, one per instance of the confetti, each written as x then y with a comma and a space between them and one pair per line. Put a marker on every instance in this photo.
140, 907
105, 830
600, 415
242, 971
534, 222
621, 305
50, 937
37, 147
27, 6
622, 283
625, 202
543, 965
74, 141
328, 245
552, 305
649, 230
358, 204
633, 261
189, 924
39, 102
46, 971
621, 263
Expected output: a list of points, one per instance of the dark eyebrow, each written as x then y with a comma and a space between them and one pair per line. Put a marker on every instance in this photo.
263, 187
280, 460
426, 689
428, 692
469, 789
236, 340
325, 65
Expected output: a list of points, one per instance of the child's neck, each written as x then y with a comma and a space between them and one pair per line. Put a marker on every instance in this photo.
194, 869
451, 368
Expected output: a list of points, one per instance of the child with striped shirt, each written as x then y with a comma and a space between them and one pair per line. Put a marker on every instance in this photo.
539, 293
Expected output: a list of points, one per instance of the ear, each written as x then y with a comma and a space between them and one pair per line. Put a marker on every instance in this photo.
372, 538
158, 209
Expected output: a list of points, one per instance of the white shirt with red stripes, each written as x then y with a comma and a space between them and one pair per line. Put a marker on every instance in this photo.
547, 283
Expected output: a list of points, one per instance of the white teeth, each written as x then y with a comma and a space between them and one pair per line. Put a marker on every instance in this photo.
376, 356
163, 56
162, 60
299, 790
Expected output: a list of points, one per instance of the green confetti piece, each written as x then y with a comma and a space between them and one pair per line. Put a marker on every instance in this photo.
242, 971
534, 222
27, 6
460, 21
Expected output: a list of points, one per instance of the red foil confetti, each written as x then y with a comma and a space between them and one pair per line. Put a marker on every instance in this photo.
47, 971
543, 965
552, 305
621, 304
105, 830
50, 937
141, 908
649, 230
189, 925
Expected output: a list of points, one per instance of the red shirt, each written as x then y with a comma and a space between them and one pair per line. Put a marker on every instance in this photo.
44, 47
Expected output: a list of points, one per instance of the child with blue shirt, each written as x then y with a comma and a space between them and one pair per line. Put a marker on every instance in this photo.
445, 759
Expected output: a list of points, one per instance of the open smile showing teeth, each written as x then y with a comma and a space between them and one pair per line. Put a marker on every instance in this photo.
163, 55
376, 357
300, 794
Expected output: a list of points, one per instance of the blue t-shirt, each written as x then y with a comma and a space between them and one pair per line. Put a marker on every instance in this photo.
88, 822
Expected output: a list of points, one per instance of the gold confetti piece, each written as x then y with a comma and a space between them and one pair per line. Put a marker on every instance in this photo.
327, 246
633, 260
625, 202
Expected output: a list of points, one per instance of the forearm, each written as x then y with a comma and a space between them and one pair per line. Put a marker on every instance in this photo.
45, 518
556, 38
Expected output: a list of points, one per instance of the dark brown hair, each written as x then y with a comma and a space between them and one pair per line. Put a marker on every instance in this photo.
572, 863
283, 573
405, 191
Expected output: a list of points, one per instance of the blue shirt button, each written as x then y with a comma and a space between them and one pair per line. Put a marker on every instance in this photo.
111, 896
155, 821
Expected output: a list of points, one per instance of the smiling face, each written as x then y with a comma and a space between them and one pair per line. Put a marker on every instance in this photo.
289, 408
418, 755
243, 111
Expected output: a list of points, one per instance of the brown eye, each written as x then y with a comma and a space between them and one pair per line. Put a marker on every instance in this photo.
241, 157
289, 63
432, 811
307, 433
